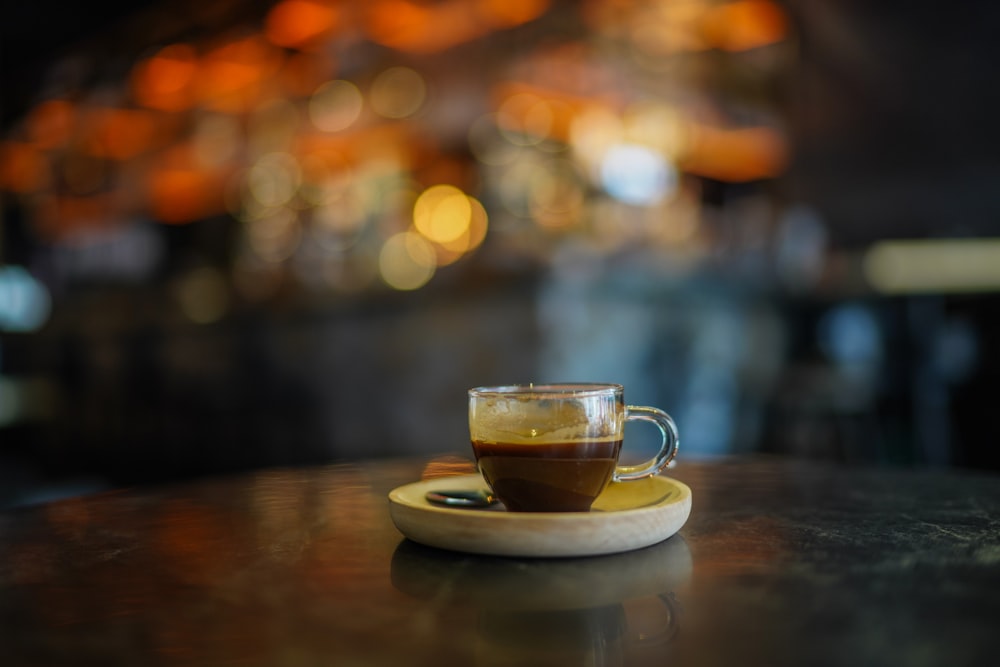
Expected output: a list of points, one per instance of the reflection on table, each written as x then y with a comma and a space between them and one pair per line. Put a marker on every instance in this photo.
780, 563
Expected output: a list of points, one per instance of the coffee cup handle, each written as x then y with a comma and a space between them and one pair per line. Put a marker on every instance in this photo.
668, 448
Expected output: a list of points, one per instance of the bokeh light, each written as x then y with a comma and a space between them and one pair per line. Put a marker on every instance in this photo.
25, 302
335, 106
50, 124
525, 119
274, 179
23, 168
637, 175
231, 77
507, 13
301, 23
398, 92
745, 24
469, 240
166, 80
324, 155
442, 213
407, 261
203, 295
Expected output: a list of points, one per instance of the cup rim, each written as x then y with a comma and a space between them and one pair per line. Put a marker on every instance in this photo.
555, 389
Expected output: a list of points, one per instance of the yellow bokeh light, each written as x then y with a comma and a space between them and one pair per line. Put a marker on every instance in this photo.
451, 251
442, 213
335, 106
407, 261
475, 233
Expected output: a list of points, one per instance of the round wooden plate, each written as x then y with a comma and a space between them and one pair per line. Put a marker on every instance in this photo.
627, 516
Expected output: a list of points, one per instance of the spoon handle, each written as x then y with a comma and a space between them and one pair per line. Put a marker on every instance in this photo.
461, 498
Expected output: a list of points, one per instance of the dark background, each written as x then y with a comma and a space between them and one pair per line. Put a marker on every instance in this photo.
890, 112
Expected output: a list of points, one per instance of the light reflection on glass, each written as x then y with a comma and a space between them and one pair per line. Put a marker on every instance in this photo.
447, 466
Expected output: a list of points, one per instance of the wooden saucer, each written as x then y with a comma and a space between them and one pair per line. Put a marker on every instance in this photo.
627, 516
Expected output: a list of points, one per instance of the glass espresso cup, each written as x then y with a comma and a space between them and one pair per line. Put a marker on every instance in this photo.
555, 447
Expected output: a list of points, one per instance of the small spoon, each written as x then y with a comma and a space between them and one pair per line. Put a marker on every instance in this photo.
462, 498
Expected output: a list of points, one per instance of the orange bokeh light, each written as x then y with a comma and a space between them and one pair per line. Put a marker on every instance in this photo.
508, 13
121, 134
231, 76
734, 155
165, 80
416, 27
745, 25
297, 23
22, 167
180, 191
50, 124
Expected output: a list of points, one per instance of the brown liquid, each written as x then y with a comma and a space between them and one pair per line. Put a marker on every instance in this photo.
549, 477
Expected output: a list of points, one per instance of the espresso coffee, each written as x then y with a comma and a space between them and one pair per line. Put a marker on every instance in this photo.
547, 477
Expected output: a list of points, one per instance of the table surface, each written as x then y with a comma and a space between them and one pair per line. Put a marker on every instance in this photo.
781, 563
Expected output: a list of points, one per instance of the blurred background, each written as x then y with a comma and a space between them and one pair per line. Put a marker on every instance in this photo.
290, 232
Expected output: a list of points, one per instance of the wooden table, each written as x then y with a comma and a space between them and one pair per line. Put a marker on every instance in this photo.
781, 563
